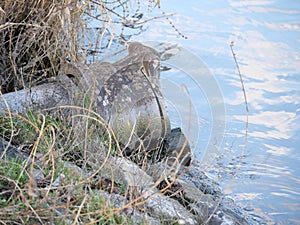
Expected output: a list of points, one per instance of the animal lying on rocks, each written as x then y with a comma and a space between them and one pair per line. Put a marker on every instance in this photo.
127, 95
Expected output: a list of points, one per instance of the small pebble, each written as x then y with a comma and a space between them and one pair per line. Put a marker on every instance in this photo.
181, 222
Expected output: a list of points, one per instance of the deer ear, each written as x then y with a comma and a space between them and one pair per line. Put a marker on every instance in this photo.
134, 47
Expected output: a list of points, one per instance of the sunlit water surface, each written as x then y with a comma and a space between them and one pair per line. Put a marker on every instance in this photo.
266, 35
262, 175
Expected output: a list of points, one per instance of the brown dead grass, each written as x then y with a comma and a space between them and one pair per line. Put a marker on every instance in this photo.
36, 36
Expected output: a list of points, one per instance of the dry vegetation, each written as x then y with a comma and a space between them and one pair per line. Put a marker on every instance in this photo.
44, 188
36, 36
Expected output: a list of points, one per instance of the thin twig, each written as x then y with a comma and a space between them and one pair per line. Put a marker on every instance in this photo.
246, 105
10, 24
246, 132
241, 79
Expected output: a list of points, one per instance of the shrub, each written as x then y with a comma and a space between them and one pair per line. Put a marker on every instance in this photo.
36, 36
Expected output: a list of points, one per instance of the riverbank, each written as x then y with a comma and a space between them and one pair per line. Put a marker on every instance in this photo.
96, 146
118, 192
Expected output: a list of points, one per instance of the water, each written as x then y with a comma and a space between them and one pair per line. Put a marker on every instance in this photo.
264, 177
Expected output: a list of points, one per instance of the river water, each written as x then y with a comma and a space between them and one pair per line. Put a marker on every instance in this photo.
258, 164
263, 175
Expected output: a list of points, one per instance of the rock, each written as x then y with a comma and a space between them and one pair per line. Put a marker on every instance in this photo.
123, 171
194, 175
141, 185
9, 151
168, 210
157, 208
201, 204
226, 217
201, 200
177, 148
119, 201
198, 193
193, 199
161, 171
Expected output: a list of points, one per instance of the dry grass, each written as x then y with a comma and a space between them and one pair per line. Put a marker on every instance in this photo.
36, 36
44, 188
61, 180
59, 183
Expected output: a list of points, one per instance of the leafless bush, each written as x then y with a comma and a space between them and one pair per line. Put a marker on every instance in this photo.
37, 35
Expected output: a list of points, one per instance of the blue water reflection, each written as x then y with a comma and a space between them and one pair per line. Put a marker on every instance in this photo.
266, 34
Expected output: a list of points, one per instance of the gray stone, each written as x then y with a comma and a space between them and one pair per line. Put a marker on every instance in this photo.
202, 196
226, 217
194, 175
202, 207
194, 195
161, 171
177, 148
9, 151
119, 201
123, 171
141, 186
168, 210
